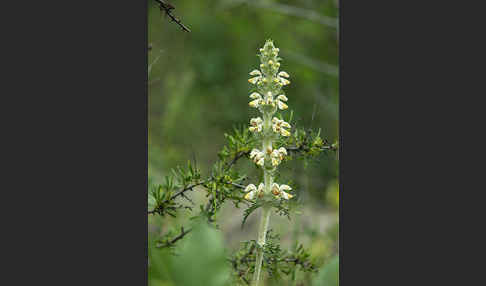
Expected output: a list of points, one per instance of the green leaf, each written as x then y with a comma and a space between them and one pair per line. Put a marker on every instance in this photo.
329, 274
198, 259
201, 259
249, 210
151, 201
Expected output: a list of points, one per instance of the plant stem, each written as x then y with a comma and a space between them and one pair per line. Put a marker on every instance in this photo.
262, 232
266, 210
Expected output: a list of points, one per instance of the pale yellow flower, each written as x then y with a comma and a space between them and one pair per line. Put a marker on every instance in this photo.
254, 80
256, 124
258, 157
283, 74
279, 191
279, 125
255, 72
277, 156
252, 191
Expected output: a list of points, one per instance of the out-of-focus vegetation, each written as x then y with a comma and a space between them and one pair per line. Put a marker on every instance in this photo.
198, 91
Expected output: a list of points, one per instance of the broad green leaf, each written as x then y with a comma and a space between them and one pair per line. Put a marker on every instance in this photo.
329, 274
198, 259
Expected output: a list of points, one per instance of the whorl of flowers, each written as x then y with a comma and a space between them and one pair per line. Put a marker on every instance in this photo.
268, 97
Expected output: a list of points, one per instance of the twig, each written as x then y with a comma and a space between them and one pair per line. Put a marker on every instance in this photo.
168, 10
237, 185
250, 251
187, 198
190, 187
303, 147
152, 64
236, 158
181, 235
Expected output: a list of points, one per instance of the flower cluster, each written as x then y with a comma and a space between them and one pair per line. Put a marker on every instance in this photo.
278, 191
268, 97
268, 100
275, 155
269, 81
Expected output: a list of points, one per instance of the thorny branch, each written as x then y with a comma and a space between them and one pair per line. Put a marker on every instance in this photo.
236, 158
239, 155
301, 144
297, 261
168, 11
191, 188
244, 259
181, 235
305, 148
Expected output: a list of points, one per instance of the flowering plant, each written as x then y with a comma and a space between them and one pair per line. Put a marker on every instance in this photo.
268, 141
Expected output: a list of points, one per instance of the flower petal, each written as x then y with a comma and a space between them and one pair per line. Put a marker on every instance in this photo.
284, 81
285, 188
255, 72
275, 153
261, 187
285, 124
286, 195
250, 195
282, 97
254, 80
253, 153
255, 95
250, 187
255, 103
282, 105
256, 121
284, 74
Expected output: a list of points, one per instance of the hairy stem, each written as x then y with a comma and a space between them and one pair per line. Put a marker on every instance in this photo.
265, 216
262, 232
